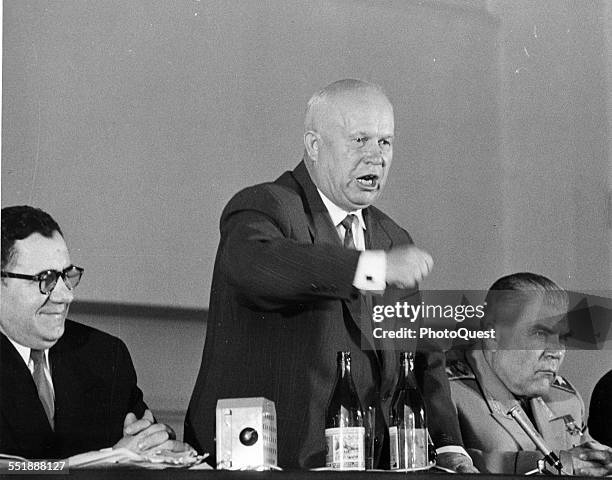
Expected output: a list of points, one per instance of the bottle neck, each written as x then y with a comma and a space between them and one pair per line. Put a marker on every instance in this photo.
344, 365
406, 377
408, 368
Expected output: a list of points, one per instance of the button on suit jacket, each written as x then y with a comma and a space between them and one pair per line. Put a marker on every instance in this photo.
95, 387
282, 305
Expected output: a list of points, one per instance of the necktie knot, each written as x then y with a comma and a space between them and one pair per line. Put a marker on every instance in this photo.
347, 223
37, 356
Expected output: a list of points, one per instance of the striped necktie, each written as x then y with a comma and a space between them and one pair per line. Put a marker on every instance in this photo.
347, 223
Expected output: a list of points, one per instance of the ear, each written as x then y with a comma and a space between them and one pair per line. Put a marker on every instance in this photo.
312, 142
488, 324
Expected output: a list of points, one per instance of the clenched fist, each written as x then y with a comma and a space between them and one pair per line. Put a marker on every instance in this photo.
407, 265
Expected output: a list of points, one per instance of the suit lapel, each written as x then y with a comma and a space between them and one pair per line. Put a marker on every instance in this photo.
323, 231
75, 387
499, 411
376, 237
499, 399
550, 425
19, 403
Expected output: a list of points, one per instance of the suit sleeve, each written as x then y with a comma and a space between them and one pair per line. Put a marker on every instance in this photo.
127, 377
505, 462
270, 262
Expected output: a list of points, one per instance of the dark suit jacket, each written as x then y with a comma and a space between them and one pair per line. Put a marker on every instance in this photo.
600, 411
282, 304
95, 387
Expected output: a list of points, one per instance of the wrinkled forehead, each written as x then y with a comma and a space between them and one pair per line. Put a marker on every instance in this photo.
363, 99
36, 253
366, 107
537, 310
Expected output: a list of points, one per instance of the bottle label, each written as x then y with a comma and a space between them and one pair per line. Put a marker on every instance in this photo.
345, 448
409, 448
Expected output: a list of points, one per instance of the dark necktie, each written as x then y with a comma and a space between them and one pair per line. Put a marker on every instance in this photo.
347, 223
42, 384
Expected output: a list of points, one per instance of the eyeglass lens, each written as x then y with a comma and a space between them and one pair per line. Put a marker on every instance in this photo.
71, 276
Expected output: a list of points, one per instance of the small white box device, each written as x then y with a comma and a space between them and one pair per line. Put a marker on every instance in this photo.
246, 433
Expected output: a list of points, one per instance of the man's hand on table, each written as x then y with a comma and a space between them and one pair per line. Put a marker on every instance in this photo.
591, 459
144, 436
456, 461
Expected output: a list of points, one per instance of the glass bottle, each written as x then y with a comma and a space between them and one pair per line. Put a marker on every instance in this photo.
407, 421
344, 428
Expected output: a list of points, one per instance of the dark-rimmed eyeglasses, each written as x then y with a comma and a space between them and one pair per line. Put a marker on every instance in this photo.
47, 280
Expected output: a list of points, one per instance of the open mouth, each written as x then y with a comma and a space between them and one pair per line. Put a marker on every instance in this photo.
54, 314
368, 181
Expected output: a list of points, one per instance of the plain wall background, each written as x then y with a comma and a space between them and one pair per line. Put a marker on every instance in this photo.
133, 122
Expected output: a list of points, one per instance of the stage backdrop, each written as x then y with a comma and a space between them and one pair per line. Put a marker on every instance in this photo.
134, 121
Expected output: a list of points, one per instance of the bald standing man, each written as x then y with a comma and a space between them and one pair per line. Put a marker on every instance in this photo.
297, 264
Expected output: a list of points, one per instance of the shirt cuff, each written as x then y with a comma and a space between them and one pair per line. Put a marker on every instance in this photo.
453, 449
371, 271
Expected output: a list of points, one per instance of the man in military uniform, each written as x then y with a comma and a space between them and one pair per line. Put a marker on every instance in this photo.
518, 368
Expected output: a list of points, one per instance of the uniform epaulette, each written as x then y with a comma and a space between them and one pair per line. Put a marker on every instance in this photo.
562, 384
459, 370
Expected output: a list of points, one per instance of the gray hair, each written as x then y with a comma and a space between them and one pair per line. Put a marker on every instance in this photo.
335, 89
508, 295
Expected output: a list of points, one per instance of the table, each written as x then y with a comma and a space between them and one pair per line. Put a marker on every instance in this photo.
129, 473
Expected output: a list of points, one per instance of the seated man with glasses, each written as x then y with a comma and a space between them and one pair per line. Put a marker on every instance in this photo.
65, 388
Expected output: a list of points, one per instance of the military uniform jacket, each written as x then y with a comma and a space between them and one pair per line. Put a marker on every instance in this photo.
493, 438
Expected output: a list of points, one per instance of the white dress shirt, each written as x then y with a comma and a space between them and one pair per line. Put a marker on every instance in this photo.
24, 353
371, 271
